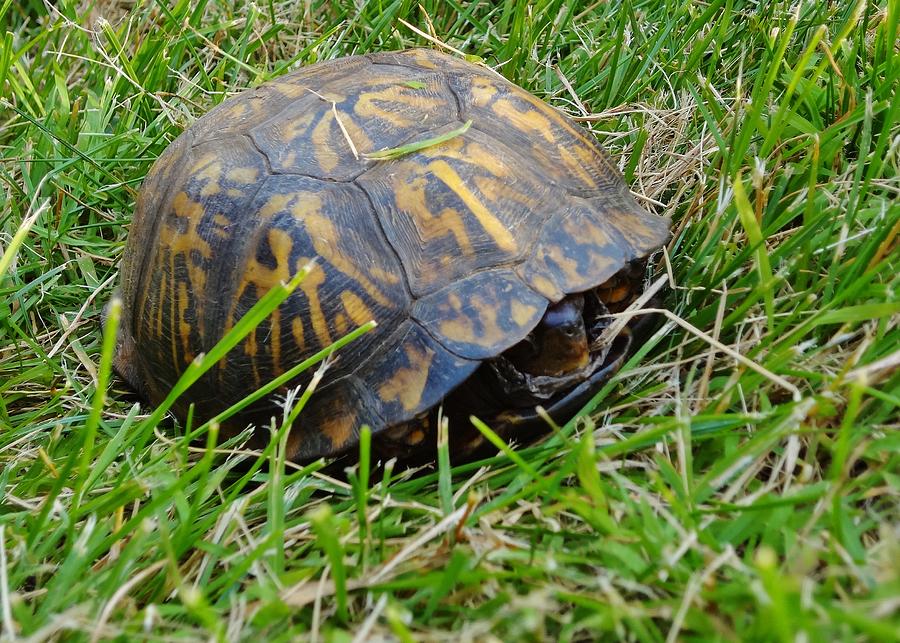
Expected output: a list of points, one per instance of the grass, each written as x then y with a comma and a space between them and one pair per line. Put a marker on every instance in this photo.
703, 497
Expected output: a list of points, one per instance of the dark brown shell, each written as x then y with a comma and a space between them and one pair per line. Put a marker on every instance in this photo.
455, 250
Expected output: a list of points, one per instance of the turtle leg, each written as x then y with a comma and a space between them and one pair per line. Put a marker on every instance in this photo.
621, 290
415, 442
410, 442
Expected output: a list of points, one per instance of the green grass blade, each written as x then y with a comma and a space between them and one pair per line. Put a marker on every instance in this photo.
410, 148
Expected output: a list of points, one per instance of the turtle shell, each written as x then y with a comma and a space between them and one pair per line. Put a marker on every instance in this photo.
455, 249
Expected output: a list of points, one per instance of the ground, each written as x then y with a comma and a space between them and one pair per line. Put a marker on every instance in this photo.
737, 480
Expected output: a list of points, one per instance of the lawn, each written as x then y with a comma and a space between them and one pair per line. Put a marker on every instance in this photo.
738, 479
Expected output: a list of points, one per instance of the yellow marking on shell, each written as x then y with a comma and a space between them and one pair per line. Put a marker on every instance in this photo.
329, 144
163, 285
542, 120
473, 153
415, 437
578, 162
208, 169
291, 132
369, 104
421, 58
243, 175
173, 340
330, 97
263, 278
384, 276
356, 308
228, 116
306, 207
184, 208
460, 329
521, 313
637, 229
219, 229
251, 348
593, 239
297, 331
503, 189
288, 89
567, 265
531, 119
411, 198
297, 125
316, 123
455, 324
261, 275
275, 342
257, 274
240, 109
356, 133
326, 240
184, 328
187, 242
341, 324
323, 145
483, 91
310, 287
585, 230
545, 286
338, 428
177, 243
491, 224
183, 243
276, 203
407, 383
498, 185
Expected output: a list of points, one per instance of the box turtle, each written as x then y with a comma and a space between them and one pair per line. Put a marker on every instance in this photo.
490, 261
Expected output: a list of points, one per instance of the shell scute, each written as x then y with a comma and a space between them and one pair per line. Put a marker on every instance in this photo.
456, 208
357, 278
576, 251
482, 315
413, 374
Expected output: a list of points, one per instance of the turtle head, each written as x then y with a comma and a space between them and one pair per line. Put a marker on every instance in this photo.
559, 344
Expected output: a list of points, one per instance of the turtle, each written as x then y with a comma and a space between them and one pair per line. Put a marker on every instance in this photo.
490, 244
